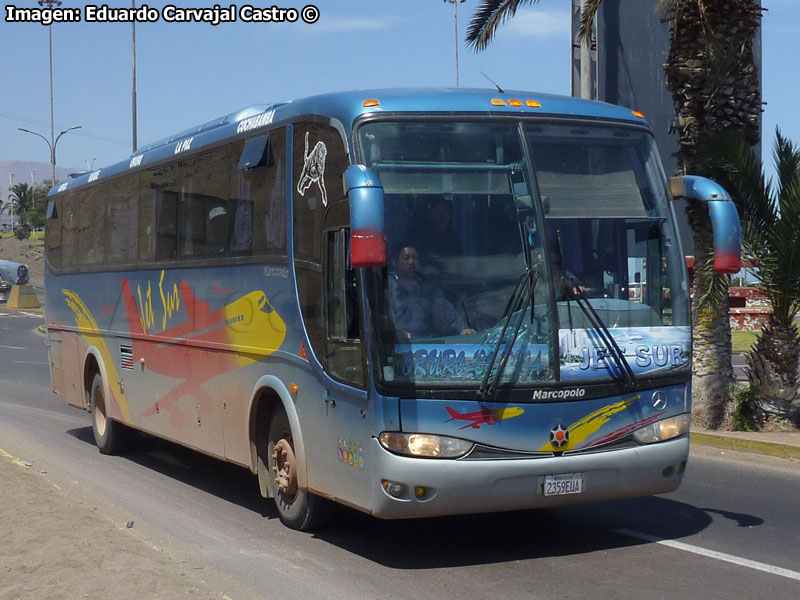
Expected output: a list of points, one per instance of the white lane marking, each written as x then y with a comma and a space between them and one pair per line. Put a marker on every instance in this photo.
736, 560
28, 362
13, 347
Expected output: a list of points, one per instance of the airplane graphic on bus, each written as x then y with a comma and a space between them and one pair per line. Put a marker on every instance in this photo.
250, 324
483, 416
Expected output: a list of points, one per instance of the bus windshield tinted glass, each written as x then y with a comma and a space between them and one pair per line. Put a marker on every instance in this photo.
459, 216
609, 227
462, 227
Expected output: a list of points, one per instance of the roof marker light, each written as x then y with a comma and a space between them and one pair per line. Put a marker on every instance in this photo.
371, 102
514, 102
532, 104
636, 113
498, 102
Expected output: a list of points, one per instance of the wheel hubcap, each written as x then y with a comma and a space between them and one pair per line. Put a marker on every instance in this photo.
283, 465
100, 412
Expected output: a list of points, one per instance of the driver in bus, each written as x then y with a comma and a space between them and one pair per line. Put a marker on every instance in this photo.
567, 286
418, 307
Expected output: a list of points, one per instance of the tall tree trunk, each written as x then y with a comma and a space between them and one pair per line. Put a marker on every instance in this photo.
714, 83
712, 370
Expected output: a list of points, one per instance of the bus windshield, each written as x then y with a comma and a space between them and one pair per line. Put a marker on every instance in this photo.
467, 216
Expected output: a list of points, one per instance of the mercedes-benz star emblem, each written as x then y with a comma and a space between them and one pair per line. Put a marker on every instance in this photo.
559, 436
659, 400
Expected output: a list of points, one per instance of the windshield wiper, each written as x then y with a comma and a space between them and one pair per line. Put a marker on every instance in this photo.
521, 298
626, 373
623, 366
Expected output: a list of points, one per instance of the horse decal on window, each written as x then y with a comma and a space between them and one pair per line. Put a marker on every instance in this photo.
314, 170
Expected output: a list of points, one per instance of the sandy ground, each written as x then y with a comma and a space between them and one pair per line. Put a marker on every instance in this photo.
29, 252
55, 547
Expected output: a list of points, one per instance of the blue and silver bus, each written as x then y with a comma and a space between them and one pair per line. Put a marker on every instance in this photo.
410, 302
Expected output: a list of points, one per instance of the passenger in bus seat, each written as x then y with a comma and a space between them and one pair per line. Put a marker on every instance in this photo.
419, 308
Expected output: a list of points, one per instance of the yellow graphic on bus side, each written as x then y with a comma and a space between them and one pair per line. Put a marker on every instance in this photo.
170, 304
89, 331
592, 423
170, 301
250, 326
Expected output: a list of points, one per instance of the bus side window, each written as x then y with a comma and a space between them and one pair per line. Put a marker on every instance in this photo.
257, 209
122, 230
318, 163
91, 231
158, 214
166, 225
52, 234
343, 351
69, 231
191, 221
203, 205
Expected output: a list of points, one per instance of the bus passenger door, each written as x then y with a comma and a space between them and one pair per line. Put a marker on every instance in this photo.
347, 428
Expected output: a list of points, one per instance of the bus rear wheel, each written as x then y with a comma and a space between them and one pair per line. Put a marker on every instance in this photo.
109, 435
297, 509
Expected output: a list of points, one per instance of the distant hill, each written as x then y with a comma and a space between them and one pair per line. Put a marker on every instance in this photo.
22, 171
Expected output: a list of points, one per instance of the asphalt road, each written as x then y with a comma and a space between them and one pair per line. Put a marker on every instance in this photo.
730, 531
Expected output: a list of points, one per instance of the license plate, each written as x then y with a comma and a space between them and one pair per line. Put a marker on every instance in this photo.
562, 484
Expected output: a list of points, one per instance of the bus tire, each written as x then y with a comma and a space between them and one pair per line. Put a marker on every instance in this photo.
298, 510
109, 435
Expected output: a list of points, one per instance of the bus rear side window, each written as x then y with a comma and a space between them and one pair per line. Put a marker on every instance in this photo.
166, 225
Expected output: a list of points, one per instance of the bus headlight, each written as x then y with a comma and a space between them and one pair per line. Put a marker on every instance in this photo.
663, 430
424, 444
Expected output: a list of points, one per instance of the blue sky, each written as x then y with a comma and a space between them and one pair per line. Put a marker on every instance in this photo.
191, 73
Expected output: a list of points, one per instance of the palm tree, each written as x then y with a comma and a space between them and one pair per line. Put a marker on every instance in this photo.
771, 233
20, 201
712, 75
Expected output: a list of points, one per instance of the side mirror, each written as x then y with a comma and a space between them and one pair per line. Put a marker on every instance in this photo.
367, 220
724, 218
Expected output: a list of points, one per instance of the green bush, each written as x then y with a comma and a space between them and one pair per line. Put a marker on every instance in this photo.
746, 415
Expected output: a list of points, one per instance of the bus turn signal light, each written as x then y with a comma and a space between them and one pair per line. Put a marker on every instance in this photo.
636, 113
371, 102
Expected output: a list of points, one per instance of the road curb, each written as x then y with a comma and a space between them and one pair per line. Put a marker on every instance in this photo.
744, 445
39, 310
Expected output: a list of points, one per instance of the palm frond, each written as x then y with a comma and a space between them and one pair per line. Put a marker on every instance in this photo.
787, 162
489, 15
715, 293
587, 19
770, 214
666, 8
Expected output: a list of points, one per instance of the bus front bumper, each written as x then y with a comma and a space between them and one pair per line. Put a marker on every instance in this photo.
432, 487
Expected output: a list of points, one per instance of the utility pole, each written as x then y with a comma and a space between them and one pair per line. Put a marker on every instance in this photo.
133, 86
455, 4
50, 4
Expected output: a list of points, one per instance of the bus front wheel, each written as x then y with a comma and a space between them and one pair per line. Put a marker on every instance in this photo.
108, 435
297, 509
